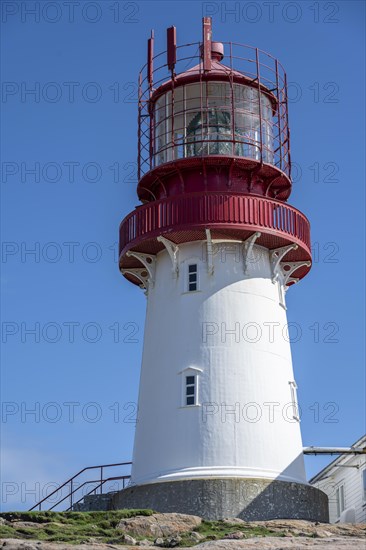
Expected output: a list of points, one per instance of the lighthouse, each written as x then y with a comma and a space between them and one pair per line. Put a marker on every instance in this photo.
215, 247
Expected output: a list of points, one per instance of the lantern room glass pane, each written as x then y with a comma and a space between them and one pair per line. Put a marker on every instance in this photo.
213, 118
219, 95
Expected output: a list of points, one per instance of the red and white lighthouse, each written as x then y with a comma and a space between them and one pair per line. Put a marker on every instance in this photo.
215, 246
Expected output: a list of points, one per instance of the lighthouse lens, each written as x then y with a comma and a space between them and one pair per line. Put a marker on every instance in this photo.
213, 118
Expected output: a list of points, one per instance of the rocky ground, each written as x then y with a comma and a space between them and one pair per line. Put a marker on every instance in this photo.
119, 530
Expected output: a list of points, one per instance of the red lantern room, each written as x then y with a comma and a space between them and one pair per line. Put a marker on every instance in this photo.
213, 152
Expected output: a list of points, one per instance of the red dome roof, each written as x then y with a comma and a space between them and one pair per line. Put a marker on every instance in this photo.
218, 72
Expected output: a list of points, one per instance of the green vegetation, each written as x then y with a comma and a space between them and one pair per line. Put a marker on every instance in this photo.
213, 530
216, 530
81, 527
71, 527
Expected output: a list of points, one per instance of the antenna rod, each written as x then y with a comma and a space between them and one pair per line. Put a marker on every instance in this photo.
171, 50
206, 38
150, 57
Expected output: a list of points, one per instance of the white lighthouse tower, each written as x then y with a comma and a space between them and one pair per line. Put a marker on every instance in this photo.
215, 246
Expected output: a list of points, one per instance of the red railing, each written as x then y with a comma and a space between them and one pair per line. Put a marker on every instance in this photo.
262, 71
214, 210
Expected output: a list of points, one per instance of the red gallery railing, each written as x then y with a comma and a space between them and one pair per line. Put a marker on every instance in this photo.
215, 210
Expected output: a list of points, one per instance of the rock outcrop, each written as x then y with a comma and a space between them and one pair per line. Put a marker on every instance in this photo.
256, 543
180, 530
159, 525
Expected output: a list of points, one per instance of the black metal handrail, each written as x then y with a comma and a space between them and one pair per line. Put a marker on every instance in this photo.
73, 490
96, 488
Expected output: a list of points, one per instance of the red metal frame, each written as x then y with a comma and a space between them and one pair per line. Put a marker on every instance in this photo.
206, 43
246, 64
150, 61
184, 218
233, 196
238, 175
171, 48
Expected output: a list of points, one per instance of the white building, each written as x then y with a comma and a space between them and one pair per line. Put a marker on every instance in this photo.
344, 481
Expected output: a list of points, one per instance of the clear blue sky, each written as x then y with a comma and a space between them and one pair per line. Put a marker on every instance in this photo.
66, 288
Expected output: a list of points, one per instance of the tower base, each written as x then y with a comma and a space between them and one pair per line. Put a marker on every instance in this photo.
215, 499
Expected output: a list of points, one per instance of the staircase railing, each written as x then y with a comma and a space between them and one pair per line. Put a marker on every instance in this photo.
94, 490
72, 489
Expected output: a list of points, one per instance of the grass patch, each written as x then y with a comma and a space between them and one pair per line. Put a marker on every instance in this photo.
71, 527
84, 527
213, 530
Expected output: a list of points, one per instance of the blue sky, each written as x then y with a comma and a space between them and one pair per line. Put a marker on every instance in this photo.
78, 132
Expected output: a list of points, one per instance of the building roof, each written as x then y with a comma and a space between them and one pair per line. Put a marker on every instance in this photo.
319, 476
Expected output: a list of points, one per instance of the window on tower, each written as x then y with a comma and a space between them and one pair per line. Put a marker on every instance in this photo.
190, 387
192, 277
190, 394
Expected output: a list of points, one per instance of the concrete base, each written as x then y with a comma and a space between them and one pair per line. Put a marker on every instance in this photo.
214, 499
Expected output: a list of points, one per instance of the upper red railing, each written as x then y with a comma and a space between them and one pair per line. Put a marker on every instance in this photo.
268, 142
195, 211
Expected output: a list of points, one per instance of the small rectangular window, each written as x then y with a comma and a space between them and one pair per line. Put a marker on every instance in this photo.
364, 484
192, 277
190, 397
340, 500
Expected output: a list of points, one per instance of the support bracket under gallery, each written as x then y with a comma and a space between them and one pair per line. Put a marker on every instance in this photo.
173, 251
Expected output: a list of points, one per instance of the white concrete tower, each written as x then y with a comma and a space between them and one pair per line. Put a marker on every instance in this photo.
215, 246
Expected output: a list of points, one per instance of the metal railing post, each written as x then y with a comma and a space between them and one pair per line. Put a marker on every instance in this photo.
71, 492
259, 105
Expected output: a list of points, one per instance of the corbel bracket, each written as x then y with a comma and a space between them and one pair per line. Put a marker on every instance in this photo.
148, 261
140, 273
291, 268
210, 264
277, 255
173, 251
293, 281
248, 247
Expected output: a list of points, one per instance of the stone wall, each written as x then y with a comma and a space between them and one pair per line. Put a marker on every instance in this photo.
214, 499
